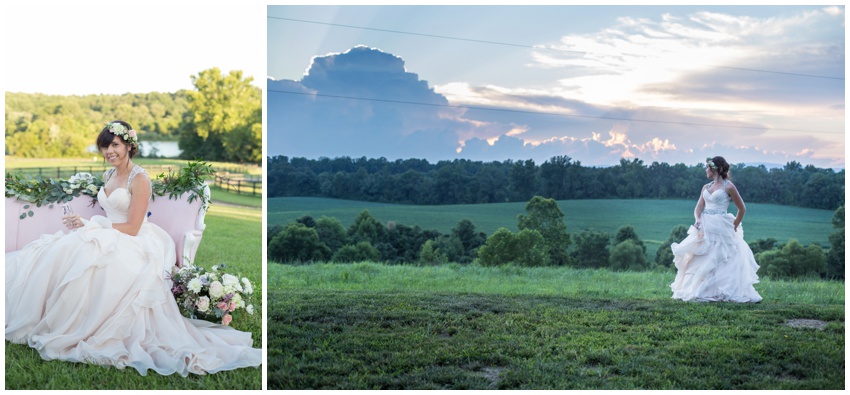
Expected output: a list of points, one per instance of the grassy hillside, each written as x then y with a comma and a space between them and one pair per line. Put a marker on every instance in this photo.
653, 220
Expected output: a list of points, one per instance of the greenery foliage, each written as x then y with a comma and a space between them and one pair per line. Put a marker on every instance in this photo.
224, 120
220, 120
793, 260
835, 257
592, 249
190, 179
544, 216
526, 248
664, 254
461, 181
50, 126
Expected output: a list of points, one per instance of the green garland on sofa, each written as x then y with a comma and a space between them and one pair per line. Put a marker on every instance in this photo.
191, 179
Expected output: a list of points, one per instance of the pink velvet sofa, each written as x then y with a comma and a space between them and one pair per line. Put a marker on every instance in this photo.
183, 221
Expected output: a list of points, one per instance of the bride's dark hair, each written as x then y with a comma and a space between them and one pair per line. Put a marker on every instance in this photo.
105, 137
720, 166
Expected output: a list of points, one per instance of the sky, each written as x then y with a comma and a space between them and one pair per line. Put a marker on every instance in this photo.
80, 47
755, 84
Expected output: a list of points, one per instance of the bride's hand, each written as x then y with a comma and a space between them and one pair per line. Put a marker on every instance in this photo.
72, 221
697, 224
736, 226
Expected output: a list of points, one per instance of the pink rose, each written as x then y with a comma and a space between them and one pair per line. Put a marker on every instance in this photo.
233, 306
226, 319
222, 306
132, 133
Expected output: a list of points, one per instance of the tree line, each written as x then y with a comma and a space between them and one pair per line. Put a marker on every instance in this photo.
462, 181
541, 240
220, 120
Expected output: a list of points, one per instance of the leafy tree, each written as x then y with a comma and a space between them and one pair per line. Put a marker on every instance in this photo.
591, 249
835, 257
664, 254
429, 255
297, 243
360, 252
793, 260
544, 216
331, 232
526, 248
469, 239
366, 228
272, 232
628, 255
226, 115
627, 232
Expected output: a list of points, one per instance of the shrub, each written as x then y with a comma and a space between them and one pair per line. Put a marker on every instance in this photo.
628, 255
297, 243
429, 255
835, 257
591, 249
526, 248
664, 255
793, 260
362, 251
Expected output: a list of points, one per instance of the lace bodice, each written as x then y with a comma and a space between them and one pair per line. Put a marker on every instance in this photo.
716, 202
117, 204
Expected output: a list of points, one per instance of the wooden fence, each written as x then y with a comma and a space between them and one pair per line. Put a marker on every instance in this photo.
239, 184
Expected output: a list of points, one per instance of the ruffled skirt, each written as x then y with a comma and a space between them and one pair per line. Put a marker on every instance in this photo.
714, 263
100, 296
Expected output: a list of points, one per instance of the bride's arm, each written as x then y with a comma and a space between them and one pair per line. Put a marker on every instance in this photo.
739, 203
698, 210
140, 192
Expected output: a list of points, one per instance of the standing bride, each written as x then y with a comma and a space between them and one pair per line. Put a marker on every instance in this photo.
714, 263
99, 294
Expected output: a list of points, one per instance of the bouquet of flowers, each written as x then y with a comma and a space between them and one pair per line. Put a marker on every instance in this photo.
212, 295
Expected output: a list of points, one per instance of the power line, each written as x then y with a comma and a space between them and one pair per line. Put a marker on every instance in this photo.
542, 112
531, 46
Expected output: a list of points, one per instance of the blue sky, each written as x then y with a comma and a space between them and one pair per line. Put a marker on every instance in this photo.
757, 84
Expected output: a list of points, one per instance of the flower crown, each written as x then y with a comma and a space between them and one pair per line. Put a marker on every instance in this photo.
711, 163
129, 136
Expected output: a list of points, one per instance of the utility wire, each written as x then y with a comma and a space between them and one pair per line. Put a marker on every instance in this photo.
530, 46
542, 112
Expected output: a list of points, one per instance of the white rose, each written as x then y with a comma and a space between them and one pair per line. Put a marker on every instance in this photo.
216, 289
194, 285
250, 309
93, 189
231, 283
246, 286
204, 304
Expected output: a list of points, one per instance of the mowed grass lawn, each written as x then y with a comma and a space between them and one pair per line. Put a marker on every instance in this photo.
374, 326
653, 220
233, 236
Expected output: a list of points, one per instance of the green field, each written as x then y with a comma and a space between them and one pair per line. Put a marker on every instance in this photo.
233, 236
371, 326
653, 220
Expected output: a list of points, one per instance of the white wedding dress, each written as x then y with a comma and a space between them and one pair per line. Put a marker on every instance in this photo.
714, 262
100, 296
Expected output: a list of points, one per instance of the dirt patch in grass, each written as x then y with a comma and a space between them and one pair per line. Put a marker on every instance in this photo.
805, 323
492, 375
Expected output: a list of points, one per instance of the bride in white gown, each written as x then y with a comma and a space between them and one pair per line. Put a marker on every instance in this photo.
714, 263
99, 294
